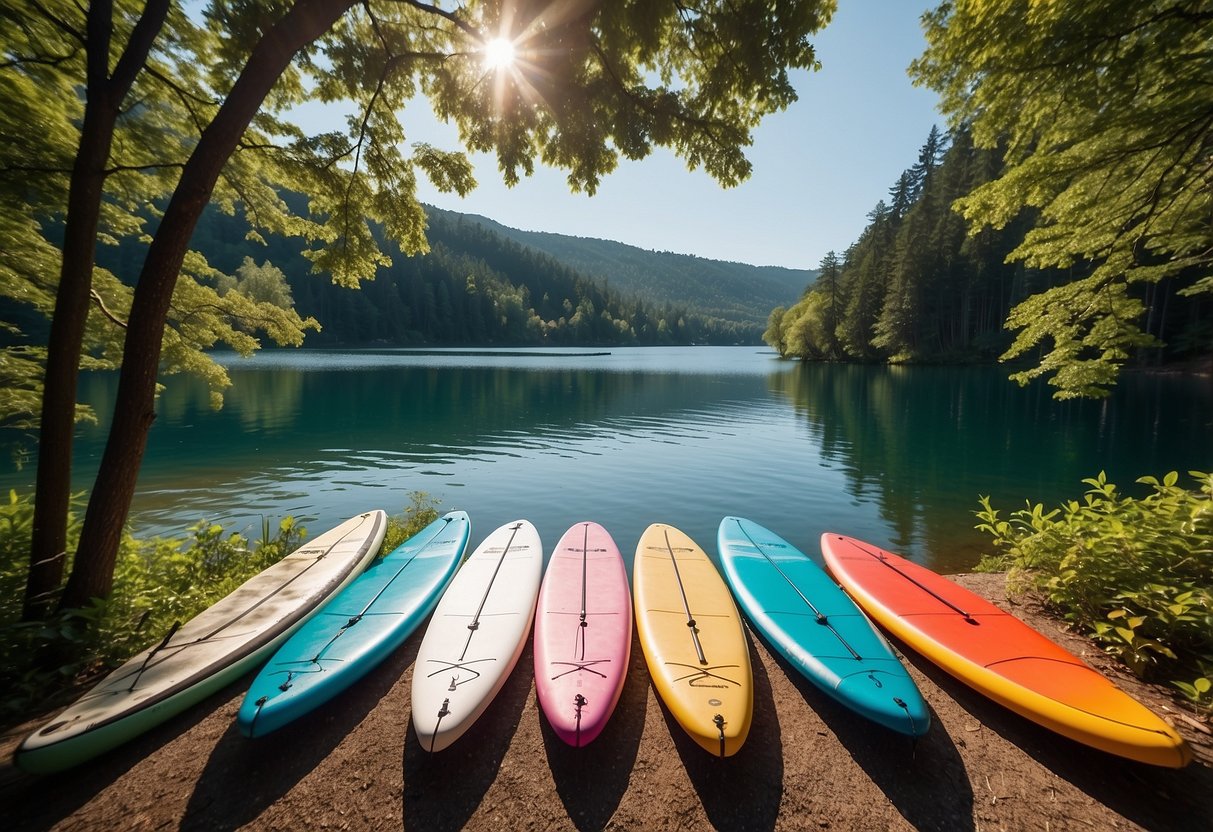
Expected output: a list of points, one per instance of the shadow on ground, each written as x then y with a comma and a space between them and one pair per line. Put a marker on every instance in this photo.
913, 774
591, 781
743, 791
261, 771
1150, 796
443, 790
40, 802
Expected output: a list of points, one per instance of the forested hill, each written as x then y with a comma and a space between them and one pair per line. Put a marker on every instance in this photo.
479, 285
715, 288
474, 287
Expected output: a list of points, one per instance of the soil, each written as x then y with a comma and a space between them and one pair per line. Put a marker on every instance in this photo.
808, 764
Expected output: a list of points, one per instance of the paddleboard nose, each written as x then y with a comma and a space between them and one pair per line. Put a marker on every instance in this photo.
888, 699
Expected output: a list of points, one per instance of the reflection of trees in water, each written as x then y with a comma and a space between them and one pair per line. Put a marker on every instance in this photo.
262, 400
288, 416
266, 401
924, 442
461, 408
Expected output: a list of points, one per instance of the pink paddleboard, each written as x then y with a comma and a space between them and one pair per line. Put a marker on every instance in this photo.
583, 633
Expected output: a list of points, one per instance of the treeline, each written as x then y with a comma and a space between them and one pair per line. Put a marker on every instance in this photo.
474, 287
916, 287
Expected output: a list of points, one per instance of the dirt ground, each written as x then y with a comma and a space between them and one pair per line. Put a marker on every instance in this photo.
808, 764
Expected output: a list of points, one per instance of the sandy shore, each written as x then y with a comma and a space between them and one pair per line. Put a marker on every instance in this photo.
808, 764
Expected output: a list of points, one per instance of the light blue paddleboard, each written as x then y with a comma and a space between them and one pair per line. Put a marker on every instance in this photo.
358, 628
813, 624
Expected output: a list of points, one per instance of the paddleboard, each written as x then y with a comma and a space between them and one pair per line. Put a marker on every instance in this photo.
693, 640
476, 635
813, 624
1000, 656
216, 647
583, 633
357, 629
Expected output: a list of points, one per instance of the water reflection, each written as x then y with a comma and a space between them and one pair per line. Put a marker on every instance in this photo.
683, 436
324, 434
924, 442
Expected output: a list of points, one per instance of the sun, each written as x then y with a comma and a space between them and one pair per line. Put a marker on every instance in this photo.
498, 53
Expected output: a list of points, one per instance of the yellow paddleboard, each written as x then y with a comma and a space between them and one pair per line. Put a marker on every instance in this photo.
692, 639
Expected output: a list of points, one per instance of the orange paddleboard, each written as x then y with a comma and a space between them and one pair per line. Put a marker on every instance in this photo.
998, 655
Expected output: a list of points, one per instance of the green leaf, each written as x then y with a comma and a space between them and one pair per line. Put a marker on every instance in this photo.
1127, 635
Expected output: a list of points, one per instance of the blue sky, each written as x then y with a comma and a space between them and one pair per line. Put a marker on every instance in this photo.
819, 167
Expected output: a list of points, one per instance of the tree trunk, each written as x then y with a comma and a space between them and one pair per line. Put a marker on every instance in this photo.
104, 95
134, 408
48, 544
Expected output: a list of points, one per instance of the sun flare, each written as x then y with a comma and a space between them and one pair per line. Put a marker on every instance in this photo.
498, 53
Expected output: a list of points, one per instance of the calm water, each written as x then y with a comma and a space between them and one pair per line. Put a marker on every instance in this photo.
684, 436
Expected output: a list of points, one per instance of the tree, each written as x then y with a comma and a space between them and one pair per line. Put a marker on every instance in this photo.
915, 258
828, 286
93, 134
264, 284
1105, 115
596, 81
864, 278
929, 157
773, 335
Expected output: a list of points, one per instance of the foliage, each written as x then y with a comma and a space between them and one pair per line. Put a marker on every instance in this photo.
419, 513
265, 283
41, 108
1134, 574
811, 328
1087, 353
594, 87
1102, 109
157, 583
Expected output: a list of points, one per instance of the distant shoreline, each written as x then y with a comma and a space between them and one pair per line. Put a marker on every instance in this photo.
534, 353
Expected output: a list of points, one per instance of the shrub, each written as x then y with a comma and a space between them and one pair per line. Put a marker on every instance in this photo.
419, 513
1136, 575
158, 582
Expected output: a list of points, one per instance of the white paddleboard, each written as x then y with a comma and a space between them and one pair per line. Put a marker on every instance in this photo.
477, 634
215, 647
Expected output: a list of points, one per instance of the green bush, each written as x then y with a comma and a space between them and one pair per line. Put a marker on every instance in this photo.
1136, 575
157, 583
419, 513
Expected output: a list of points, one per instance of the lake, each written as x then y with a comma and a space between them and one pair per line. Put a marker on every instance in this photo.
894, 455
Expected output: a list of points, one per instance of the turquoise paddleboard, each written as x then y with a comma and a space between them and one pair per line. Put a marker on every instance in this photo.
815, 626
358, 629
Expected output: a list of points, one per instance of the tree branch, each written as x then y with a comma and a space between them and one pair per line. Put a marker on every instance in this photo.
105, 310
141, 168
187, 98
453, 17
58, 22
139, 46
38, 61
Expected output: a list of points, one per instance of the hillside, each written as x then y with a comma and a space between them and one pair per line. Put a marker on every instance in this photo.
718, 289
482, 284
474, 287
